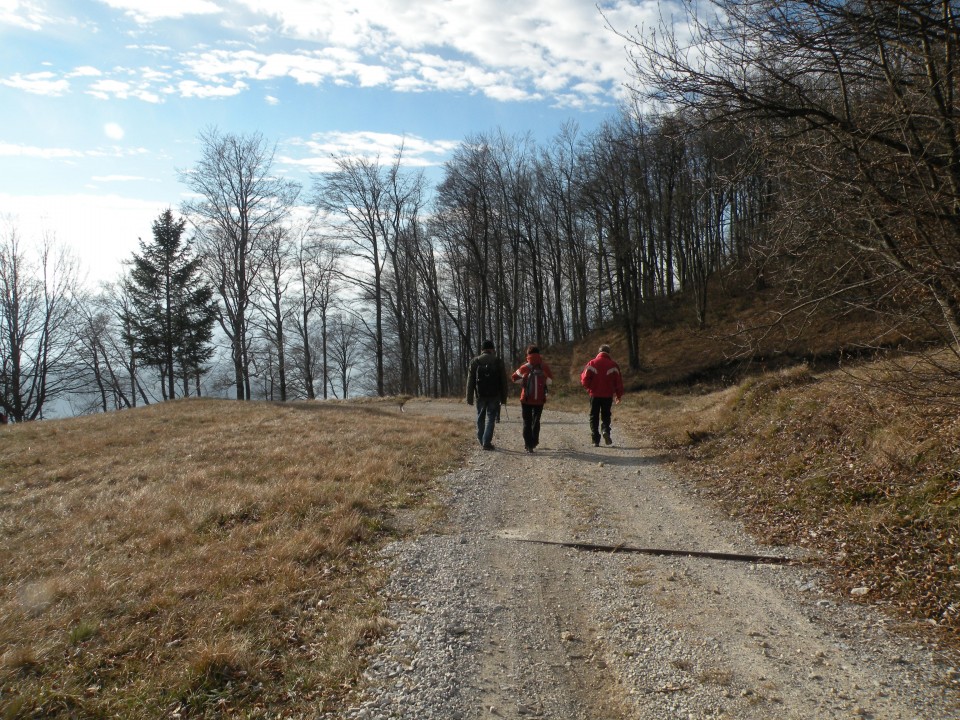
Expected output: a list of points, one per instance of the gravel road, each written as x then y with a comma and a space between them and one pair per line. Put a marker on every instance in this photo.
490, 625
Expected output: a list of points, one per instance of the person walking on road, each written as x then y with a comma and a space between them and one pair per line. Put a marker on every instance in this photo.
487, 384
534, 378
602, 379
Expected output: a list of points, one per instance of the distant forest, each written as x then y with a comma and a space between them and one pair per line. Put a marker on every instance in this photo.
812, 146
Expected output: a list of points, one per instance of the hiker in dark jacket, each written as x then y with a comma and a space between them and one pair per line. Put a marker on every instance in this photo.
602, 379
534, 377
487, 384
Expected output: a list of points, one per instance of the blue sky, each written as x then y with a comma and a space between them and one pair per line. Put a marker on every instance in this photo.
103, 99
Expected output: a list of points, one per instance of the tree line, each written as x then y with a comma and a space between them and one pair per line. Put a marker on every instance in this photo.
809, 145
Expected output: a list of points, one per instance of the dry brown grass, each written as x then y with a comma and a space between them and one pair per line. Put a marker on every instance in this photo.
201, 558
837, 462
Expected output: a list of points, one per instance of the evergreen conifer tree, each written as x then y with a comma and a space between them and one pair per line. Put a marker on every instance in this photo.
172, 308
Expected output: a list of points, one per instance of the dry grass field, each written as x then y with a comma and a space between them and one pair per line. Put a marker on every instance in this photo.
199, 558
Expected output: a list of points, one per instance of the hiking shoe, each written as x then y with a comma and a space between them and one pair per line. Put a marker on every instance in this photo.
606, 439
528, 448
596, 443
488, 446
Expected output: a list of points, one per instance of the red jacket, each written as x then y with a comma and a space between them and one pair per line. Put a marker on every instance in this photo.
520, 374
602, 377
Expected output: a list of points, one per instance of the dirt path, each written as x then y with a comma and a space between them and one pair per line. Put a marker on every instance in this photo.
489, 626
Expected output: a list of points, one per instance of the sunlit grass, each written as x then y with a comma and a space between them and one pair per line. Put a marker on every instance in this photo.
200, 557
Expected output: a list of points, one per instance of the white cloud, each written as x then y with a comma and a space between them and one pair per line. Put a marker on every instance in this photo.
508, 93
26, 15
271, 100
29, 151
343, 66
40, 83
558, 50
84, 71
322, 149
544, 47
60, 153
150, 97
123, 90
105, 89
313, 68
116, 178
147, 11
157, 49
191, 88
215, 64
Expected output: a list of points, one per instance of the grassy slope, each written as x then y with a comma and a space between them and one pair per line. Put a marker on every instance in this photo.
200, 558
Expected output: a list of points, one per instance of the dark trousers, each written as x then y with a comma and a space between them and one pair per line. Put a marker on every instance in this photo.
488, 412
531, 424
600, 416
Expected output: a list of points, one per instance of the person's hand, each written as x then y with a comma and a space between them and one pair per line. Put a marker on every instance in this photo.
617, 401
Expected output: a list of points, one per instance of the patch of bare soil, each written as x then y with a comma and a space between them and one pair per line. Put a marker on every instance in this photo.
490, 625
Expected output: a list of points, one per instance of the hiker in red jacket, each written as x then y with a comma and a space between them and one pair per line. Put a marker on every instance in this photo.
534, 377
602, 378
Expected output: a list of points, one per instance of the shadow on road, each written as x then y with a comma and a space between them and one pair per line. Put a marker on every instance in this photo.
609, 459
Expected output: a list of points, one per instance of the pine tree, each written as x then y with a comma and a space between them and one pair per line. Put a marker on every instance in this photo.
172, 311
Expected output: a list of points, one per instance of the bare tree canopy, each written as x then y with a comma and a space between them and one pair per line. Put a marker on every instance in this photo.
37, 328
855, 107
240, 203
376, 213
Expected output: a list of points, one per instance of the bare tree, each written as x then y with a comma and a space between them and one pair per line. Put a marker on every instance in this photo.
437, 376
344, 345
356, 194
467, 220
318, 270
240, 203
123, 342
567, 228
103, 366
609, 193
271, 299
37, 302
404, 244
375, 209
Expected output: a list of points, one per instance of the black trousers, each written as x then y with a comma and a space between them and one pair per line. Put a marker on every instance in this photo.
600, 416
531, 424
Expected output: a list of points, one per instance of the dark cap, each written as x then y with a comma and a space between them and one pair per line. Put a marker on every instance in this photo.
487, 345
605, 348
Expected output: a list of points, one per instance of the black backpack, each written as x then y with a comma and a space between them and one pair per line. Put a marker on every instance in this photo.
488, 384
